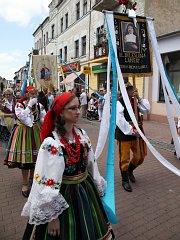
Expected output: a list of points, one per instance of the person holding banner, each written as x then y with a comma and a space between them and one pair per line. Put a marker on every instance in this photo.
64, 202
24, 142
128, 138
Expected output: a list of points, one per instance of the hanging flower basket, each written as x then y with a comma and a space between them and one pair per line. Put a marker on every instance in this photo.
128, 4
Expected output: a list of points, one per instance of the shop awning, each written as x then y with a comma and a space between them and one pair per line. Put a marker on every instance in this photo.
71, 77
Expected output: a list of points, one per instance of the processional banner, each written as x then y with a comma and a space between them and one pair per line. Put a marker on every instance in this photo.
45, 71
133, 47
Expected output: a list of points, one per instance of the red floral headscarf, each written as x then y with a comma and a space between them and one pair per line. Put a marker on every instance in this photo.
56, 108
29, 88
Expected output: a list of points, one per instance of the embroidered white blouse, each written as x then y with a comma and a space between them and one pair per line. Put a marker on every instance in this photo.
45, 201
26, 116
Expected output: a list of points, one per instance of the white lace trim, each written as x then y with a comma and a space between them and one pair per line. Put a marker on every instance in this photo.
46, 212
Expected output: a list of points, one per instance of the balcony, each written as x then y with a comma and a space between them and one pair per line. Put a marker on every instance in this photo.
100, 50
105, 5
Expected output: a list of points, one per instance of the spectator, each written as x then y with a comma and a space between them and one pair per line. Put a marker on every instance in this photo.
43, 98
100, 104
50, 99
83, 101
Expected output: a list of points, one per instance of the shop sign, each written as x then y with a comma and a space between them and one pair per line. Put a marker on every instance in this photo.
73, 66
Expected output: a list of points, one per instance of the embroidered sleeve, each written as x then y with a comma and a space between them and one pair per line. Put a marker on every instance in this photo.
45, 202
24, 115
93, 167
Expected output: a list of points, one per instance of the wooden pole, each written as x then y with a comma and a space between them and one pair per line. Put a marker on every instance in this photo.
64, 80
136, 115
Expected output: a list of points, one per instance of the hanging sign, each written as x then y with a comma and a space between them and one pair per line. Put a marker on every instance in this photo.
86, 70
133, 46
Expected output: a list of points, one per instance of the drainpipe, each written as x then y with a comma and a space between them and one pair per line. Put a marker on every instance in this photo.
89, 41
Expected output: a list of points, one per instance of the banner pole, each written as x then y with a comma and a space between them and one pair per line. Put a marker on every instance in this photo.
136, 115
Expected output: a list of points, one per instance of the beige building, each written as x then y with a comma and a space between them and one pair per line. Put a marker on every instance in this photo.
166, 16
76, 31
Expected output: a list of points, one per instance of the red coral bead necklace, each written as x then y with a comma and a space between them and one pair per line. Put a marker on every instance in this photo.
73, 153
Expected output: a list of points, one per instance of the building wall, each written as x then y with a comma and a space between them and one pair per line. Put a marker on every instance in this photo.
166, 15
86, 26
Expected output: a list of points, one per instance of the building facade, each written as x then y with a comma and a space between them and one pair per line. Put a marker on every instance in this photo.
166, 16
76, 32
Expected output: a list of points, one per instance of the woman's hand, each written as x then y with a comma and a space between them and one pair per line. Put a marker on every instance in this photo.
54, 227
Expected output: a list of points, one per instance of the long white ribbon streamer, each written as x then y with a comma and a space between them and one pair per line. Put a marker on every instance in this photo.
159, 157
104, 127
166, 86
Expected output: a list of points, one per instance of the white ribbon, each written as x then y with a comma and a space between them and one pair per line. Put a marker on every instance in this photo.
160, 158
166, 86
104, 126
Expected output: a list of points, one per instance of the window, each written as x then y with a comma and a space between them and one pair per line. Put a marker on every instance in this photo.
66, 17
77, 49
65, 54
101, 35
61, 25
36, 45
84, 7
44, 40
60, 52
83, 40
40, 43
171, 63
52, 31
78, 11
47, 40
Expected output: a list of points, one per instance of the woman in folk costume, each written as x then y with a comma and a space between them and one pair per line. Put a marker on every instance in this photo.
25, 142
7, 116
64, 202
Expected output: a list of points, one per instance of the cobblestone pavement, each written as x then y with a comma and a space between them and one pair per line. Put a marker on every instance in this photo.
150, 212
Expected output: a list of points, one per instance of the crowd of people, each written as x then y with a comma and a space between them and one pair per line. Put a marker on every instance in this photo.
60, 175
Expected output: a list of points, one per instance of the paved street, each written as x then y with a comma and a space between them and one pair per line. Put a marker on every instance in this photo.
150, 212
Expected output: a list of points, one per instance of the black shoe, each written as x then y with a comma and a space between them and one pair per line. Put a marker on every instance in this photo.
131, 177
127, 186
25, 193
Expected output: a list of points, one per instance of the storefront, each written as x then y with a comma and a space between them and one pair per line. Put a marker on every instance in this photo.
72, 79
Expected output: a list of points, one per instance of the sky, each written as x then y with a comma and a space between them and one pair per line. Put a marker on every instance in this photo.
18, 21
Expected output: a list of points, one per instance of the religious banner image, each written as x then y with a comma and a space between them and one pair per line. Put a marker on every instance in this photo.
133, 48
45, 71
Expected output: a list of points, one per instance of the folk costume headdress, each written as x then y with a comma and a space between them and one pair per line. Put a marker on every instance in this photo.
29, 88
56, 108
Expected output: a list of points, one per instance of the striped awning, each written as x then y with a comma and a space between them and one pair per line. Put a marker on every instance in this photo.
71, 77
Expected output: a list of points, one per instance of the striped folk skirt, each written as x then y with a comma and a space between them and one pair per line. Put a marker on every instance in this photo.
23, 147
85, 219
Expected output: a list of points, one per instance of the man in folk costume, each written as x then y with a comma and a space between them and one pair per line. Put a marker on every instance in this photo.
24, 142
128, 138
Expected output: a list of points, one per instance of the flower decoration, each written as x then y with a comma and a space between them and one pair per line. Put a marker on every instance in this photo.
52, 149
50, 182
47, 182
37, 177
128, 4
